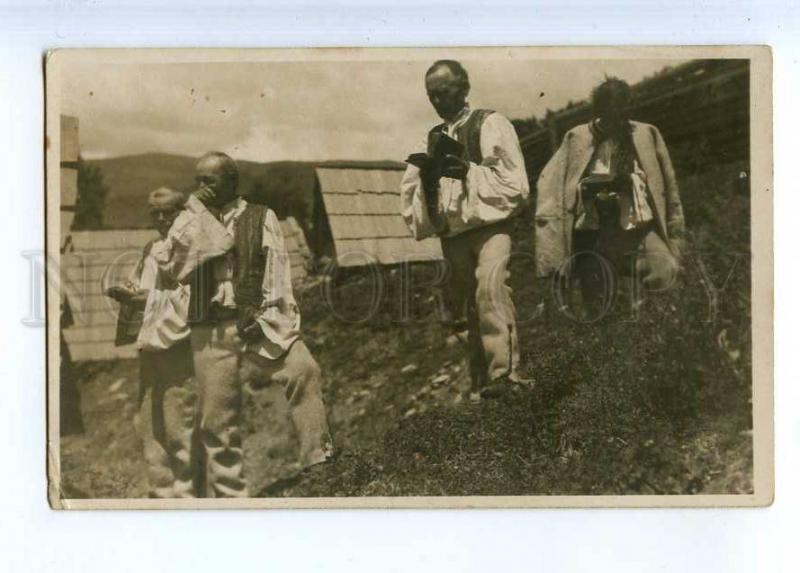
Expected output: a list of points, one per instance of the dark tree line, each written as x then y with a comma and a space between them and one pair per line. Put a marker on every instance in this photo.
92, 192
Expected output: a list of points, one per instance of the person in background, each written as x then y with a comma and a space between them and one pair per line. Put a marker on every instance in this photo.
167, 397
245, 323
608, 204
468, 197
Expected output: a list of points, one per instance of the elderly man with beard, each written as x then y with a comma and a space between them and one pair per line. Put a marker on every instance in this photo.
244, 320
468, 198
608, 204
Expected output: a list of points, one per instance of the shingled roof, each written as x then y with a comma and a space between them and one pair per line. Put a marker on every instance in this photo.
363, 211
297, 247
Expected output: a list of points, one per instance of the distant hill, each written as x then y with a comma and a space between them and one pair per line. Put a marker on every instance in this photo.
130, 179
286, 186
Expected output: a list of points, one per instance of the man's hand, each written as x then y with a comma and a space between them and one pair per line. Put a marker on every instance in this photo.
121, 293
205, 195
139, 298
127, 294
454, 167
249, 330
658, 272
252, 333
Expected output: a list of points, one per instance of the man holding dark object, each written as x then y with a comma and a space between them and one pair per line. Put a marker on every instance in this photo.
244, 320
465, 188
167, 396
608, 204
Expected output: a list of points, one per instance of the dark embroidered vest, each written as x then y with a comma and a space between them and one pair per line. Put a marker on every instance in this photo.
250, 260
468, 134
202, 290
248, 271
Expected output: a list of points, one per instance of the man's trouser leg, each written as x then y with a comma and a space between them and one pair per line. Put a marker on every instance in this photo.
598, 278
463, 284
216, 355
167, 420
602, 262
498, 318
300, 376
479, 269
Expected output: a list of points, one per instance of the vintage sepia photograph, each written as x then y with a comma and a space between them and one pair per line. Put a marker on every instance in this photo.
383, 277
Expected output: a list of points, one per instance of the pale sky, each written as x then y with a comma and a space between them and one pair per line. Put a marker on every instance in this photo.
270, 111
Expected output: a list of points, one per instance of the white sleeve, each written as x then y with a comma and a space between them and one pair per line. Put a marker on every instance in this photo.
277, 283
148, 275
144, 274
500, 181
195, 237
279, 317
413, 206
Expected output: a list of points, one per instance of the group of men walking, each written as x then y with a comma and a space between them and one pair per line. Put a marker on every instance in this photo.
216, 286
607, 206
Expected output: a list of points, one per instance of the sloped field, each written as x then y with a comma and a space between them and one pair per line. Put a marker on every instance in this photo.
652, 401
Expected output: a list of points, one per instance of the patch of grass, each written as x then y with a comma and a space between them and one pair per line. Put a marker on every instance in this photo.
652, 402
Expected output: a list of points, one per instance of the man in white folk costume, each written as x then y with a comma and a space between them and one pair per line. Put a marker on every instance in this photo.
167, 397
465, 184
245, 323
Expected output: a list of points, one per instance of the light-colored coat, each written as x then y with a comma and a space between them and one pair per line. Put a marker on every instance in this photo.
557, 192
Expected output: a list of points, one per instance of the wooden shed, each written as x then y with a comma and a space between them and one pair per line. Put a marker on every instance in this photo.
95, 261
297, 247
357, 218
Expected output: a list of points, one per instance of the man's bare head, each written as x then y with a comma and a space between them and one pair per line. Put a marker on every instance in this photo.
165, 205
218, 172
611, 102
447, 84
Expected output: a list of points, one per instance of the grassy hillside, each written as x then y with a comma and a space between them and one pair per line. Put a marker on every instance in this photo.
657, 402
654, 402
